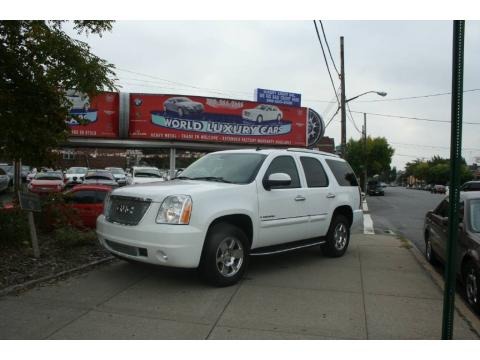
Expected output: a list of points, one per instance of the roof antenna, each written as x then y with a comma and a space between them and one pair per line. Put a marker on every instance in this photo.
258, 148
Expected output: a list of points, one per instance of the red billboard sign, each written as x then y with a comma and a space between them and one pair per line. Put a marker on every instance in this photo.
195, 118
96, 117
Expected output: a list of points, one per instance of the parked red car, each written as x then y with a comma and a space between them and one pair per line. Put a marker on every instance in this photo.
87, 200
47, 182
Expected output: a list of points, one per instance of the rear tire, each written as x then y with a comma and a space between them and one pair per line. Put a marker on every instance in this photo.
225, 255
338, 237
471, 280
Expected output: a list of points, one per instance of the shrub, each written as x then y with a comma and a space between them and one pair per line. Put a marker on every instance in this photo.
70, 237
14, 231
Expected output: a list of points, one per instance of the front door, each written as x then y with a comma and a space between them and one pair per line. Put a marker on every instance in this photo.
283, 211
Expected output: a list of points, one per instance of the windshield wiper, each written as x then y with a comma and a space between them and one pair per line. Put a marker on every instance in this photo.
183, 178
212, 178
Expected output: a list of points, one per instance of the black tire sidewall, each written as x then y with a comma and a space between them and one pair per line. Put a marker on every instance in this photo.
469, 266
208, 267
329, 248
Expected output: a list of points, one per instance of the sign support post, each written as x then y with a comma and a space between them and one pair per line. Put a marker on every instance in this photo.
455, 162
31, 203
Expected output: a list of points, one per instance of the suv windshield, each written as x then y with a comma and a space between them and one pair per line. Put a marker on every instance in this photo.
77, 170
227, 167
49, 176
148, 173
475, 215
117, 171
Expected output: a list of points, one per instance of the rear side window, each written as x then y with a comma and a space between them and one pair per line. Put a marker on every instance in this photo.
101, 196
284, 164
82, 197
342, 172
314, 172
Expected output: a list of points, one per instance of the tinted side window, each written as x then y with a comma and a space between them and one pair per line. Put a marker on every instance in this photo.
101, 196
342, 172
2, 172
314, 172
442, 209
284, 164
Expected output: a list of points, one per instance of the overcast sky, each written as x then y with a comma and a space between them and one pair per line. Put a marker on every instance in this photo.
232, 58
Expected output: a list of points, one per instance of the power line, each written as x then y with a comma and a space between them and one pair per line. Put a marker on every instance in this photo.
352, 120
326, 61
432, 146
415, 97
328, 48
331, 119
412, 118
176, 82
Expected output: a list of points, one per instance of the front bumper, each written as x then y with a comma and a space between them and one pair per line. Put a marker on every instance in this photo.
357, 222
159, 244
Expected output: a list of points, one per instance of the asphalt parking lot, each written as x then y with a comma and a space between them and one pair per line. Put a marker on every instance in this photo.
378, 290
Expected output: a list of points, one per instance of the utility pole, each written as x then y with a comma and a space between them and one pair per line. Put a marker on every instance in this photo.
365, 152
342, 100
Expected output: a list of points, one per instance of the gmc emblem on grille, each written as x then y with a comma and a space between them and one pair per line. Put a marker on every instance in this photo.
124, 209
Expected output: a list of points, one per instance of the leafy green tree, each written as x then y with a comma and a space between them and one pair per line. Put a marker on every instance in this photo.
38, 63
378, 156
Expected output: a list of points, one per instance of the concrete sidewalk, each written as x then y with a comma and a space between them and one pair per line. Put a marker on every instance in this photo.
380, 289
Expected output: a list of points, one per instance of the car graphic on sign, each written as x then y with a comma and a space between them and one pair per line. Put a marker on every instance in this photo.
80, 109
263, 113
182, 106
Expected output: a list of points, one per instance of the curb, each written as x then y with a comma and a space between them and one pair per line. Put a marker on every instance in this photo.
461, 307
31, 283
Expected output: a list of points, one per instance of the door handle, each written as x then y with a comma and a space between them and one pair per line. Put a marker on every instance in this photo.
300, 198
330, 196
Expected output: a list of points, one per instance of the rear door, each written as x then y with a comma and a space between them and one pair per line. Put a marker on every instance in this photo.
319, 194
283, 211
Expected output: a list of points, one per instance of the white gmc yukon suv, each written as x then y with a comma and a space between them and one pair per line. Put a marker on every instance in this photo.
230, 205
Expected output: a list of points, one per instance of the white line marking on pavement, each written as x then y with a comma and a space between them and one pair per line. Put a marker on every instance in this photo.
364, 205
367, 220
368, 224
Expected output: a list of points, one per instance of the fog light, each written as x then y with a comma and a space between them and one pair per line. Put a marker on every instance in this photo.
161, 255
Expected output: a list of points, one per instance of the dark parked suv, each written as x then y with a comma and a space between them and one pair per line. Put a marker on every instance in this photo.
375, 188
468, 247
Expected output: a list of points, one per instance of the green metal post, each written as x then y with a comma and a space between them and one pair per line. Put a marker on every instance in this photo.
455, 161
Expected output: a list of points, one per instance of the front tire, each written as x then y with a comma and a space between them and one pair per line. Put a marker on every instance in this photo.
471, 279
338, 237
225, 256
180, 112
259, 119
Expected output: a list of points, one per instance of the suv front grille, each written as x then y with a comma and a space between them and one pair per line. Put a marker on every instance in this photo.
126, 210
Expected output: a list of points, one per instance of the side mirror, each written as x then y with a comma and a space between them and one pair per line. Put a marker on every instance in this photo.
277, 180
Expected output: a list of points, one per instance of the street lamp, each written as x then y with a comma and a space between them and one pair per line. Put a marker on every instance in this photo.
380, 93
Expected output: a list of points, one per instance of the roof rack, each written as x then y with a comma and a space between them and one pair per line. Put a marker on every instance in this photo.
311, 151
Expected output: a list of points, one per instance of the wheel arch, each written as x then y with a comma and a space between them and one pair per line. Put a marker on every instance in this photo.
345, 210
242, 221
469, 256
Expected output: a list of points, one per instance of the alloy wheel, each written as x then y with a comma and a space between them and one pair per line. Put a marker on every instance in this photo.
229, 256
471, 286
340, 236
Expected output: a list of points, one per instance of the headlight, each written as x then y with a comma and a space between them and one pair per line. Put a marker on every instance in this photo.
175, 209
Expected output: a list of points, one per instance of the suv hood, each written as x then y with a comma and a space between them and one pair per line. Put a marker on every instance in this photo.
160, 190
